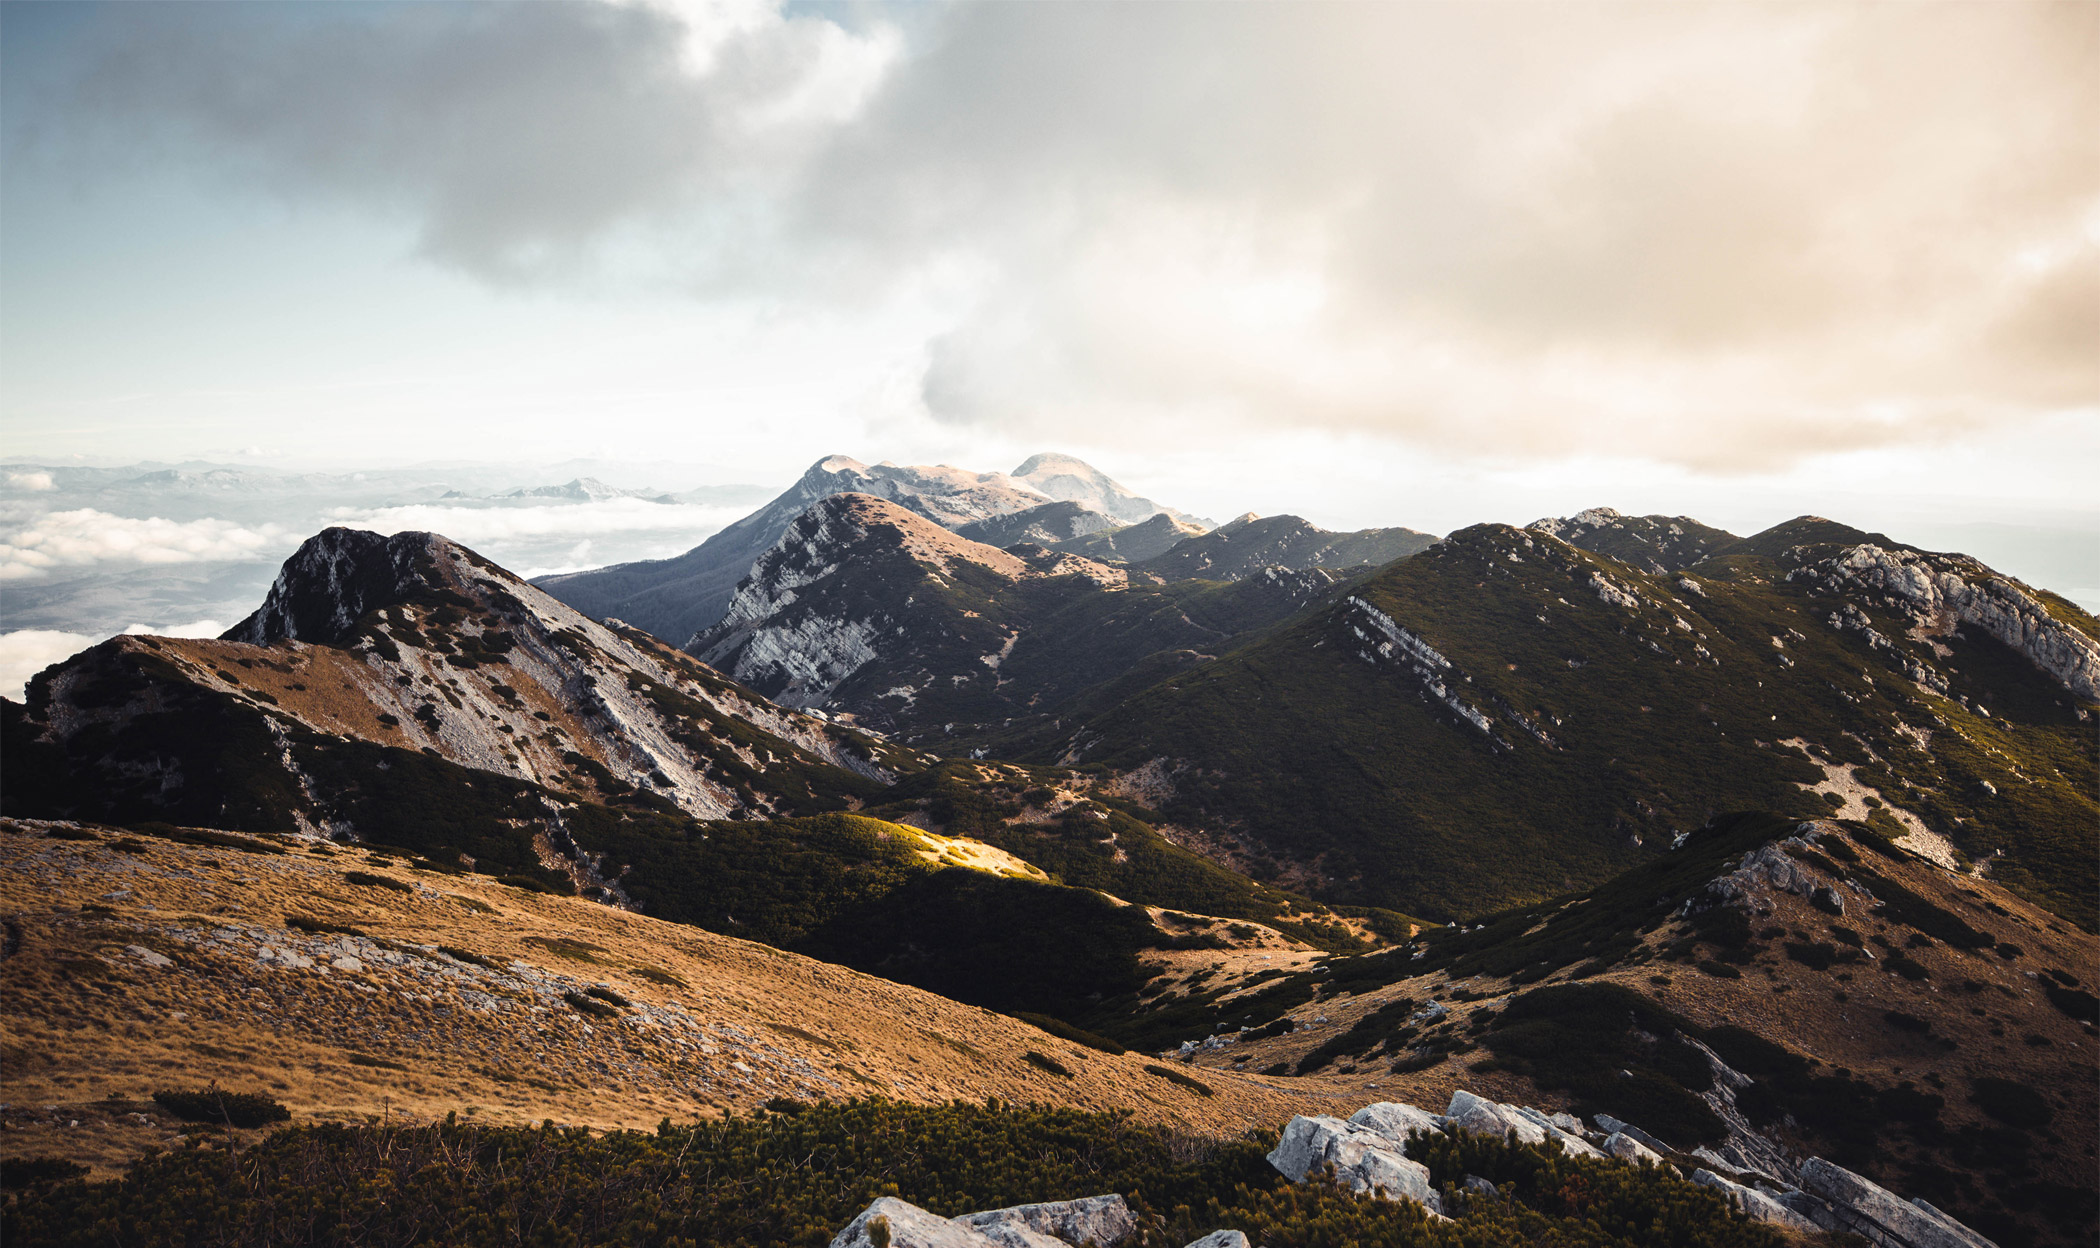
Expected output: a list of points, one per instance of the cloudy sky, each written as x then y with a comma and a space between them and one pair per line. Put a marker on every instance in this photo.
1410, 263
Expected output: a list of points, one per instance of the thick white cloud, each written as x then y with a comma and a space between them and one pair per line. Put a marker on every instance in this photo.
496, 526
85, 536
27, 651
1725, 236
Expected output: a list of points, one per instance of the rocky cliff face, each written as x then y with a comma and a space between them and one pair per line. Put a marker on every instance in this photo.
416, 643
1938, 593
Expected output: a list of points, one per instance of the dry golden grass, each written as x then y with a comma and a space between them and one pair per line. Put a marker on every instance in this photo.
135, 964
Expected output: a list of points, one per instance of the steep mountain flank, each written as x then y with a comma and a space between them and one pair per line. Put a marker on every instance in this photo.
1654, 544
1769, 991
1252, 543
868, 610
1046, 525
369, 646
1133, 543
1507, 716
675, 598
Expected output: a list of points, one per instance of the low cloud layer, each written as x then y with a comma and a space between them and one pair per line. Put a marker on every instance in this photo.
84, 537
1729, 237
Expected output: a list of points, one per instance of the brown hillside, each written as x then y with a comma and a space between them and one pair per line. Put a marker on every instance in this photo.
135, 963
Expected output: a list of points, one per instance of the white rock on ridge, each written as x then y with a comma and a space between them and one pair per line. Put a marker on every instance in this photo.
1363, 1160
901, 1224
1856, 1205
1396, 1121
1220, 1239
1939, 591
1755, 1205
1476, 1115
1624, 1147
1099, 1220
1631, 1132
1556, 1128
1388, 642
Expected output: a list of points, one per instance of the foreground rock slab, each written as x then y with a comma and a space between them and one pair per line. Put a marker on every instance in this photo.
1363, 1160
1851, 1203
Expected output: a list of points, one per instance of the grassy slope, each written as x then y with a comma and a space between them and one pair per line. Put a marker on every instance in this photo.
1327, 758
1889, 1033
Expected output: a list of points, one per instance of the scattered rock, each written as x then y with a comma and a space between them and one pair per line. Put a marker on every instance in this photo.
893, 1223
149, 957
1627, 1149
1220, 1239
1853, 1204
1363, 1160
1476, 1115
1100, 1220
1480, 1187
1396, 1122
1755, 1205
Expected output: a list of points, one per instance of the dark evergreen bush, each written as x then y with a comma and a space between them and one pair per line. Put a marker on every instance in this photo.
214, 1105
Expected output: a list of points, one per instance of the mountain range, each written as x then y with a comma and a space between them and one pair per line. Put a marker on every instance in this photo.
1661, 822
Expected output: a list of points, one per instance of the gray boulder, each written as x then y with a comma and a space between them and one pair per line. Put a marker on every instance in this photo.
1854, 1204
893, 1223
1102, 1221
1754, 1204
1396, 1121
1564, 1135
1363, 1160
1221, 1239
1627, 1149
1627, 1129
1476, 1115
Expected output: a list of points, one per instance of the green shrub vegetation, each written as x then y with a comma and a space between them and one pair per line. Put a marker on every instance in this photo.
214, 1105
1637, 727
795, 1175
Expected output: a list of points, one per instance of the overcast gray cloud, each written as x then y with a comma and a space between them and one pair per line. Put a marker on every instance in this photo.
1723, 236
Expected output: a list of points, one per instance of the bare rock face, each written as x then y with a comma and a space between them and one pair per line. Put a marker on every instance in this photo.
1940, 592
1363, 1160
1088, 1222
1396, 1121
893, 1223
1099, 1220
1624, 1147
1756, 1205
1476, 1115
1220, 1239
1853, 1204
334, 578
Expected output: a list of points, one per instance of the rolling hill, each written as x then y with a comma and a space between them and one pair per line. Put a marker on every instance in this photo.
1508, 716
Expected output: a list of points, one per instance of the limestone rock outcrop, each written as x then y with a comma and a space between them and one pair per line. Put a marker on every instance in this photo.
1088, 1222
1363, 1160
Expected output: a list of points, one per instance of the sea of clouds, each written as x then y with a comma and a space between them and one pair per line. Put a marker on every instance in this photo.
87, 554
